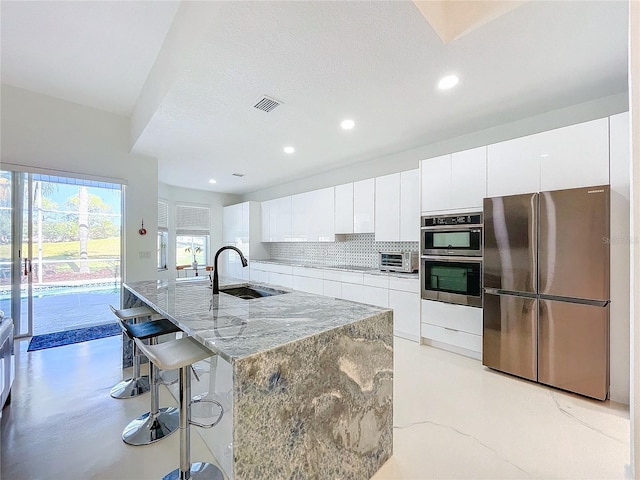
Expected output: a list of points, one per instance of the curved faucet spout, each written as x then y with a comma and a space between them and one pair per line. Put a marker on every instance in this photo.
215, 282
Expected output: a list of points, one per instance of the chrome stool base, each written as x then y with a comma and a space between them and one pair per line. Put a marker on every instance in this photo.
131, 388
199, 471
148, 429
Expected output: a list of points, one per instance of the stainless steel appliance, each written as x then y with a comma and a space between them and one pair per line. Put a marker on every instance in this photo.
451, 258
459, 235
398, 262
546, 288
452, 279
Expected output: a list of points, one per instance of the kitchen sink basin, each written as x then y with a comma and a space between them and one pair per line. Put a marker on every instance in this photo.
248, 292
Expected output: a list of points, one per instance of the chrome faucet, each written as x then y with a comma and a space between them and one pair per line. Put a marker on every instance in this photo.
215, 283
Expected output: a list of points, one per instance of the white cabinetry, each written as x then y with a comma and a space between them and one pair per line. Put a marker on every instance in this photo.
404, 299
343, 220
436, 183
455, 327
568, 157
241, 225
363, 206
397, 214
410, 205
575, 156
454, 182
305, 217
387, 208
320, 214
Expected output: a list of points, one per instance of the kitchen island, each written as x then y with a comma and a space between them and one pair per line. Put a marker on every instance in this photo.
311, 378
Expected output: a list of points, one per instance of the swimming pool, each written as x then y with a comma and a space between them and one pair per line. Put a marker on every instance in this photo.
40, 291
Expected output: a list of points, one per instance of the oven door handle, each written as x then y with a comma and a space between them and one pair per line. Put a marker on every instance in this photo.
449, 258
472, 228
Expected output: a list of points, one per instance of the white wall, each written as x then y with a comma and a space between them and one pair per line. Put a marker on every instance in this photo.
634, 97
215, 201
40, 132
407, 160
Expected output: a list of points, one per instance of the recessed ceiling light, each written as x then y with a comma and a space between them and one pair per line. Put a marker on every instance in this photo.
289, 149
348, 124
212, 181
448, 82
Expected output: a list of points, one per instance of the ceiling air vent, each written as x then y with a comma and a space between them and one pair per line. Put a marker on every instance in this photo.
267, 104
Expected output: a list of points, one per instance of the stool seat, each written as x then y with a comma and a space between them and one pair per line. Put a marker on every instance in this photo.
175, 354
154, 328
131, 313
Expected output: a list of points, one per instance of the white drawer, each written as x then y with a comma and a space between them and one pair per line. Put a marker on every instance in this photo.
334, 275
253, 265
375, 296
287, 269
352, 291
308, 272
309, 285
281, 279
452, 337
331, 288
405, 284
259, 276
376, 280
351, 277
457, 317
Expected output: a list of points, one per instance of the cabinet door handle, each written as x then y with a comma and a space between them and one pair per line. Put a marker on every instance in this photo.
451, 329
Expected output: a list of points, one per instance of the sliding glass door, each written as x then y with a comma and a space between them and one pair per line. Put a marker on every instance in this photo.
16, 288
60, 251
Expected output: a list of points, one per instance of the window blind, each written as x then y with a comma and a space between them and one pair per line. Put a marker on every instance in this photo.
191, 219
163, 215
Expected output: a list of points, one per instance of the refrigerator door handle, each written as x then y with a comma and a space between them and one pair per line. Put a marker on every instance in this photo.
499, 291
581, 301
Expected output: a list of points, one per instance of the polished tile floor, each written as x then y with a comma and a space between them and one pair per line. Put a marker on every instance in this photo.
454, 419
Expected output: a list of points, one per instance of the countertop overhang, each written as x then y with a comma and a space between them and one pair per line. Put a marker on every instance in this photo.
236, 328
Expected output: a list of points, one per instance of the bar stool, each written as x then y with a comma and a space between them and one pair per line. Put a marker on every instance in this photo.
182, 353
157, 423
137, 384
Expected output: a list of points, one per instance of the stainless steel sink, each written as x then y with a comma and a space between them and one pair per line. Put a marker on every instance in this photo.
248, 292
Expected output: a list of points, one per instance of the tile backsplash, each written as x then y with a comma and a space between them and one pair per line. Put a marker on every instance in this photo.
358, 249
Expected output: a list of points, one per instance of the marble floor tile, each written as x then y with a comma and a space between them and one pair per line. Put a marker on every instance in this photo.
454, 419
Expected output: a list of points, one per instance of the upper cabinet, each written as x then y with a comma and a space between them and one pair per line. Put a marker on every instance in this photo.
241, 225
363, 206
568, 157
454, 182
397, 215
410, 205
305, 217
320, 214
343, 219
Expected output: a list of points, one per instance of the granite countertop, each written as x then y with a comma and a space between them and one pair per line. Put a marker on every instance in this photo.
236, 328
350, 268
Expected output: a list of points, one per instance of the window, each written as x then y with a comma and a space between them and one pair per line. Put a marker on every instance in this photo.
163, 234
192, 234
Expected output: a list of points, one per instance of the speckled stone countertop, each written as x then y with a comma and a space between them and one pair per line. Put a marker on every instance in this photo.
350, 268
236, 328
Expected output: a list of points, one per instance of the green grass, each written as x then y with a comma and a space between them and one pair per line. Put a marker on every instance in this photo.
102, 248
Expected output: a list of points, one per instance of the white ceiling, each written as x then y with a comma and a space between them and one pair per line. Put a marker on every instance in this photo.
376, 62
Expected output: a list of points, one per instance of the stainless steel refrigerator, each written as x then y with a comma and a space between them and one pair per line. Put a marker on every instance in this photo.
546, 288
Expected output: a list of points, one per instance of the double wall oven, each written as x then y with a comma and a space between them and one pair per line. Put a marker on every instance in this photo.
451, 258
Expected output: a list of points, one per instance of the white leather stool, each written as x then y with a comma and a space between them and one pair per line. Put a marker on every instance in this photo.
137, 384
182, 353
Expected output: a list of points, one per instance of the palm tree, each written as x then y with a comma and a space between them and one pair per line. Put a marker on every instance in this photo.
83, 228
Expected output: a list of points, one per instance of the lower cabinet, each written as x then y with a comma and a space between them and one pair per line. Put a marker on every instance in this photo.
406, 314
454, 327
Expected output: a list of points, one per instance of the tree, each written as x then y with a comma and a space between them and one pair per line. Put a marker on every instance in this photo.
83, 228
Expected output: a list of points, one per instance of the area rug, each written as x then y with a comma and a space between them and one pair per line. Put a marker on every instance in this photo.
58, 339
